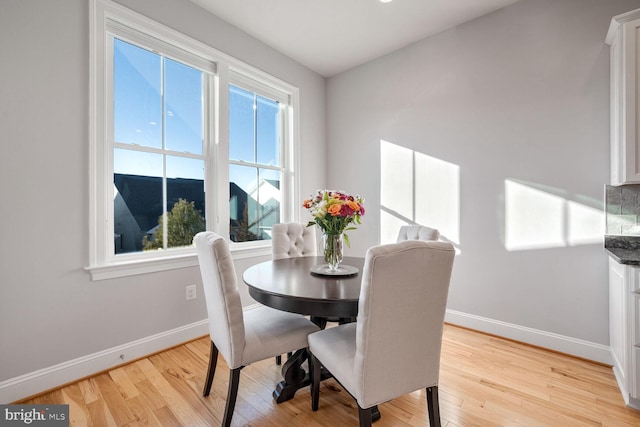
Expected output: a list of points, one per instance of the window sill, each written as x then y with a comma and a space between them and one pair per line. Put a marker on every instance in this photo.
132, 267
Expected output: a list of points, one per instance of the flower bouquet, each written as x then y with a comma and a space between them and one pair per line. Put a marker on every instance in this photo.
334, 212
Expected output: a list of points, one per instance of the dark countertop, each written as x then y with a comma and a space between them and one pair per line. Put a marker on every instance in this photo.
623, 249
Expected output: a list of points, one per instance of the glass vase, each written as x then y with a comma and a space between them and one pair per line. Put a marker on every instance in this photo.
332, 250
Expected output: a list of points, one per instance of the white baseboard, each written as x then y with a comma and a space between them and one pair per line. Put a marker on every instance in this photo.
573, 346
622, 384
35, 382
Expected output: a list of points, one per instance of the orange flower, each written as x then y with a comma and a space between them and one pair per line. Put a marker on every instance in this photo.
334, 209
307, 203
353, 205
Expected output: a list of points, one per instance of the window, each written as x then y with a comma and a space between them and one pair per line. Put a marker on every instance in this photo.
172, 154
158, 154
255, 172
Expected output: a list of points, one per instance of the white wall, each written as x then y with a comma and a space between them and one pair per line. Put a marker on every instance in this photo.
50, 310
521, 94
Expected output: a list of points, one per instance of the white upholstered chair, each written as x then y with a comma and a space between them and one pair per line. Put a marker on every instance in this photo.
241, 337
394, 346
417, 232
293, 240
290, 240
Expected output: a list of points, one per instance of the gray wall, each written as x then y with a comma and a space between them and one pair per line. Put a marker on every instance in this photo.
50, 310
521, 94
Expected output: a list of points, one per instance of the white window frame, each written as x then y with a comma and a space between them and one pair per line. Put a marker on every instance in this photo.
103, 263
242, 81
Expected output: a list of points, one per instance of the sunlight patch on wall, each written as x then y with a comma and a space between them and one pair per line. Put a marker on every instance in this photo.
535, 219
389, 226
586, 224
396, 179
417, 189
437, 193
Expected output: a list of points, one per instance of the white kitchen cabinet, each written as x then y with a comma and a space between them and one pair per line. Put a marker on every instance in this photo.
624, 329
625, 122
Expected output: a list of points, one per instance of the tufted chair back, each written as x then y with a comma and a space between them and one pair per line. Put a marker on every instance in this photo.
293, 240
417, 232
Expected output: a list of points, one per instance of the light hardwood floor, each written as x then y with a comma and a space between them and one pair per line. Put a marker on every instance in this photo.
484, 381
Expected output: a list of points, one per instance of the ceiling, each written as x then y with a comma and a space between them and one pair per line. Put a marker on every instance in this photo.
331, 36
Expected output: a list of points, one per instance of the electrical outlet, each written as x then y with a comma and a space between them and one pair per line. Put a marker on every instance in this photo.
191, 292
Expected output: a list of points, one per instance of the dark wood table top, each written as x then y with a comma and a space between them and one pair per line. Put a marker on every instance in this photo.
288, 285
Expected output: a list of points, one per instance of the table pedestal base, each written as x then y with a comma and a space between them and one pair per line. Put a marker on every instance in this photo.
295, 378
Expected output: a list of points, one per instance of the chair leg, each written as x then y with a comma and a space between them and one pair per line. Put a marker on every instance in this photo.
434, 406
365, 417
232, 394
314, 369
279, 358
211, 371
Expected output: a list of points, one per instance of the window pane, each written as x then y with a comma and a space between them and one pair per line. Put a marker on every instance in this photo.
184, 167
241, 180
137, 101
185, 200
269, 197
254, 204
159, 198
241, 125
137, 200
268, 132
183, 107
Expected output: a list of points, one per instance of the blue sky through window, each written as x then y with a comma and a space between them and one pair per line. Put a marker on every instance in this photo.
158, 105
254, 125
137, 96
139, 93
253, 128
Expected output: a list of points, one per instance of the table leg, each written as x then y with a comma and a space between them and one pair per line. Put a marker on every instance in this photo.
321, 322
294, 377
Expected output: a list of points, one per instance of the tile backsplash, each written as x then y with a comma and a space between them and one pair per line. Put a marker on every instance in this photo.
623, 210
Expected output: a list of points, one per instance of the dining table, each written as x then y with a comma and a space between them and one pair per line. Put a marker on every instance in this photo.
304, 285
289, 284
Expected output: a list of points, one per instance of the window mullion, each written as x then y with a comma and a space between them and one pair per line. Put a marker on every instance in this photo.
255, 128
256, 212
220, 170
211, 111
165, 219
255, 159
285, 163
